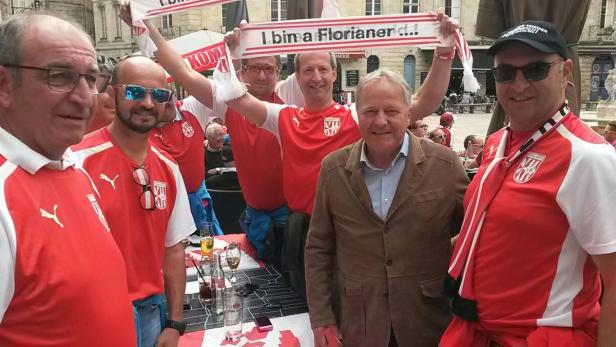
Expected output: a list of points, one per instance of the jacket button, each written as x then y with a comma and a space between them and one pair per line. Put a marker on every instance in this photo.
389, 262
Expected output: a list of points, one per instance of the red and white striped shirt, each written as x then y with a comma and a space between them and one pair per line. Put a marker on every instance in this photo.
141, 235
62, 277
554, 209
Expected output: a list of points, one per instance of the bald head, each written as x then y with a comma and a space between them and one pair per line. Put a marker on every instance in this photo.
138, 109
135, 66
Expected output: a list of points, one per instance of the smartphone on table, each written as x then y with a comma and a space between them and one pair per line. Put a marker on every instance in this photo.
263, 324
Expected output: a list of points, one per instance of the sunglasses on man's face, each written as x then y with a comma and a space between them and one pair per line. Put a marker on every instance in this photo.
137, 93
535, 71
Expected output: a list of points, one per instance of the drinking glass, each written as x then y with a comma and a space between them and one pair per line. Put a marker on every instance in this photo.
233, 255
206, 233
205, 291
233, 314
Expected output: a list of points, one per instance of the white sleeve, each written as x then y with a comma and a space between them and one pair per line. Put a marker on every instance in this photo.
8, 255
588, 198
273, 115
354, 114
181, 223
203, 113
289, 91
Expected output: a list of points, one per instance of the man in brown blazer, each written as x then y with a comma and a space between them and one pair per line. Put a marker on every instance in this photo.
385, 210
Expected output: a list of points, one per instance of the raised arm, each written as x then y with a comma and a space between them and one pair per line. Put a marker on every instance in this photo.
429, 96
195, 83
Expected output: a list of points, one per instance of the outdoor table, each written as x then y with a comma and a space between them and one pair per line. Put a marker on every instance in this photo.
274, 298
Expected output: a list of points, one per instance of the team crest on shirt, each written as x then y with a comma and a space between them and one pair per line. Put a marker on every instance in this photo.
331, 125
98, 211
528, 167
160, 194
187, 129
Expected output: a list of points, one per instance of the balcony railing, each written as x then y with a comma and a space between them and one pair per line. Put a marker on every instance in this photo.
170, 32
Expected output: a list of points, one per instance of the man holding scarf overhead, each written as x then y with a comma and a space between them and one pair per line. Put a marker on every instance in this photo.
530, 276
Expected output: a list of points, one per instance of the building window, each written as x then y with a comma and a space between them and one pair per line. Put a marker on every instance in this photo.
600, 69
603, 13
452, 8
410, 6
225, 11
373, 63
116, 9
409, 70
373, 7
101, 9
279, 10
167, 21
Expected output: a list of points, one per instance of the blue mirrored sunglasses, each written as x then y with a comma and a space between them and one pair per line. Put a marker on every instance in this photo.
137, 93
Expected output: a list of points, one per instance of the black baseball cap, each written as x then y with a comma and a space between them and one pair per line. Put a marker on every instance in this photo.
542, 36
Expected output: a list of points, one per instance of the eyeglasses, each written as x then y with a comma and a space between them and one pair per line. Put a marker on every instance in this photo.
146, 198
137, 93
65, 80
480, 145
532, 72
255, 69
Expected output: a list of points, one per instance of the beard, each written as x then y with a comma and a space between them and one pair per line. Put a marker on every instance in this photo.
126, 117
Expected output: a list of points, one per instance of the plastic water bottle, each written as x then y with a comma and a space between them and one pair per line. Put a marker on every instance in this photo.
218, 286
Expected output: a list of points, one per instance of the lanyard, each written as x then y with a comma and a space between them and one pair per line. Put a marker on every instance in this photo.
545, 129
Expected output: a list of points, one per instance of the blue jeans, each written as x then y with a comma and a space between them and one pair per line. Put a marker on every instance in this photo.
150, 316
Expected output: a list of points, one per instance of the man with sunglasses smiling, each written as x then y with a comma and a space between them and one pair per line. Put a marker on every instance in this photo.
144, 198
537, 234
62, 277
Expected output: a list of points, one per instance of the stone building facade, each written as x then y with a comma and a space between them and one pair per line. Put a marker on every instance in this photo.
597, 46
79, 10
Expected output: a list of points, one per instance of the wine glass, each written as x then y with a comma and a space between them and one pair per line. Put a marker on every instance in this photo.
233, 255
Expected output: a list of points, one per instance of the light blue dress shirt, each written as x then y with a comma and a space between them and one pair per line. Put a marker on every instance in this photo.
382, 184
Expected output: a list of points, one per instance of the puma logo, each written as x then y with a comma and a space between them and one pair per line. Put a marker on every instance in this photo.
296, 121
111, 181
53, 216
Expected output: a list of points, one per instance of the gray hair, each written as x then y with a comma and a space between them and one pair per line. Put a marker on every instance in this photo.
212, 129
392, 76
11, 33
332, 60
11, 36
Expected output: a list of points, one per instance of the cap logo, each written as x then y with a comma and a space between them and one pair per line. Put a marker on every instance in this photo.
526, 28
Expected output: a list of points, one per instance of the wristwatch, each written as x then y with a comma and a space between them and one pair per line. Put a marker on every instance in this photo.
179, 326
